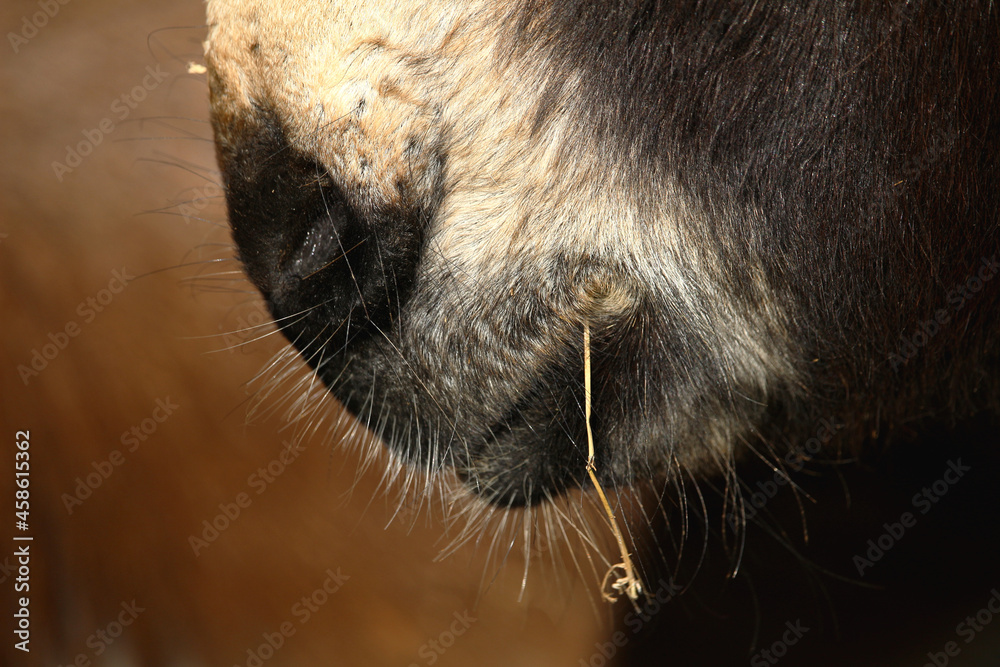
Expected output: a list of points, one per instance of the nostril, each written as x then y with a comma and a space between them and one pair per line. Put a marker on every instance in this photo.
330, 272
289, 219
327, 241
312, 270
290, 222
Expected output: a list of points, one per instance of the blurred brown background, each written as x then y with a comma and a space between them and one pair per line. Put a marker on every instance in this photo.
180, 338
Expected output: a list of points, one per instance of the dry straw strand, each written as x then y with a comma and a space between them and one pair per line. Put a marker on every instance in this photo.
629, 583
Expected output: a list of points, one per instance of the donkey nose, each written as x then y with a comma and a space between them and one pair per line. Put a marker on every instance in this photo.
318, 261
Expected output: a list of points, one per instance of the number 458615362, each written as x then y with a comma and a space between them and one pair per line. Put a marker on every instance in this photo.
22, 477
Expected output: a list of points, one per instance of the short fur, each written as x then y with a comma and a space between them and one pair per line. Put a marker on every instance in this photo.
757, 208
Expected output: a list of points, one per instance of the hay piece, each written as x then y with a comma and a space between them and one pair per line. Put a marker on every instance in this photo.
629, 583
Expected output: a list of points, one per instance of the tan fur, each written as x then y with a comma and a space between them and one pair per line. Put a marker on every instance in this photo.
356, 83
165, 337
